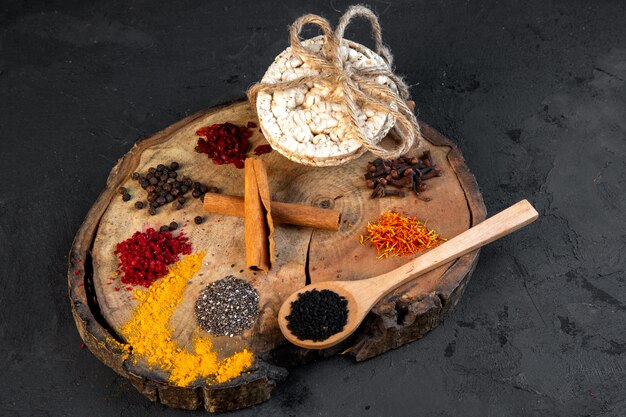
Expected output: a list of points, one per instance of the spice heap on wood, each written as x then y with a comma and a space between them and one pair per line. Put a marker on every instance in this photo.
150, 337
327, 100
395, 234
403, 172
145, 256
164, 186
227, 307
225, 143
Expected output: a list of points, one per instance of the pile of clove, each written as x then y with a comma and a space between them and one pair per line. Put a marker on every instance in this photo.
403, 172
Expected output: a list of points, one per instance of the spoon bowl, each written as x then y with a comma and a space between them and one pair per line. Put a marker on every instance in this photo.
342, 288
363, 294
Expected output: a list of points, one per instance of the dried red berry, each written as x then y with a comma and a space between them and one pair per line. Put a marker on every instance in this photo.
225, 143
144, 257
262, 149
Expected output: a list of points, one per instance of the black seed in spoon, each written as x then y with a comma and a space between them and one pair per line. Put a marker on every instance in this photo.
317, 315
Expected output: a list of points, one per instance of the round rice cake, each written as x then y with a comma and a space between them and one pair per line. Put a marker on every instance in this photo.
306, 128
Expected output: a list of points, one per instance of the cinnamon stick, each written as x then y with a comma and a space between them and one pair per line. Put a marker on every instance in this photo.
284, 213
264, 192
258, 226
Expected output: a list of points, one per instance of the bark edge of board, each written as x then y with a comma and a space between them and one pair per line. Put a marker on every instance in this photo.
394, 323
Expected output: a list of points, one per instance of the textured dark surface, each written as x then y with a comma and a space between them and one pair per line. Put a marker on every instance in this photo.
533, 92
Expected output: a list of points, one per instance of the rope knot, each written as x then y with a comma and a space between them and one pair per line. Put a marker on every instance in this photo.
345, 74
354, 87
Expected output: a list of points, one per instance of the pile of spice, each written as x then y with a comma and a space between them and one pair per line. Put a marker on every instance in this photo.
395, 234
227, 307
144, 257
164, 186
404, 172
225, 143
149, 336
317, 315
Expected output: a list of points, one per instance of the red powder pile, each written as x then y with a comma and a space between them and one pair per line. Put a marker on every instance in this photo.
144, 257
225, 143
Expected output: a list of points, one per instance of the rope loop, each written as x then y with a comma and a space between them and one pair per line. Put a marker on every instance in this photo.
356, 88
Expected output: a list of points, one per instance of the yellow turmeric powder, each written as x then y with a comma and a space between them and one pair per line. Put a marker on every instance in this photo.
150, 336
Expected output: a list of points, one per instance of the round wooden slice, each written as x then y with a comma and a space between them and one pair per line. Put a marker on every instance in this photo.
302, 255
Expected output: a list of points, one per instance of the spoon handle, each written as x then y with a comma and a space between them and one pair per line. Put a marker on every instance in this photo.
495, 227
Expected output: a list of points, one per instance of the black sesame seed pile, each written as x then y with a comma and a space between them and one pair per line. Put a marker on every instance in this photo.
317, 315
164, 186
227, 307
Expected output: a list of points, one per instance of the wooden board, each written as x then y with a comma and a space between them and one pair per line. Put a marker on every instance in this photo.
301, 255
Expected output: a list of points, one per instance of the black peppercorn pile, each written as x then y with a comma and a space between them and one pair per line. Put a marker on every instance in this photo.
404, 172
227, 307
317, 315
164, 186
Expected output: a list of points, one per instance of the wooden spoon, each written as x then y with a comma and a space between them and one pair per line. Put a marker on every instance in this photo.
363, 294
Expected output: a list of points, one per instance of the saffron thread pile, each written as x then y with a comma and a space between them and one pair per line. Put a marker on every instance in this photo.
398, 235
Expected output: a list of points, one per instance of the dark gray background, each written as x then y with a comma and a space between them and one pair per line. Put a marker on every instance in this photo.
534, 93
